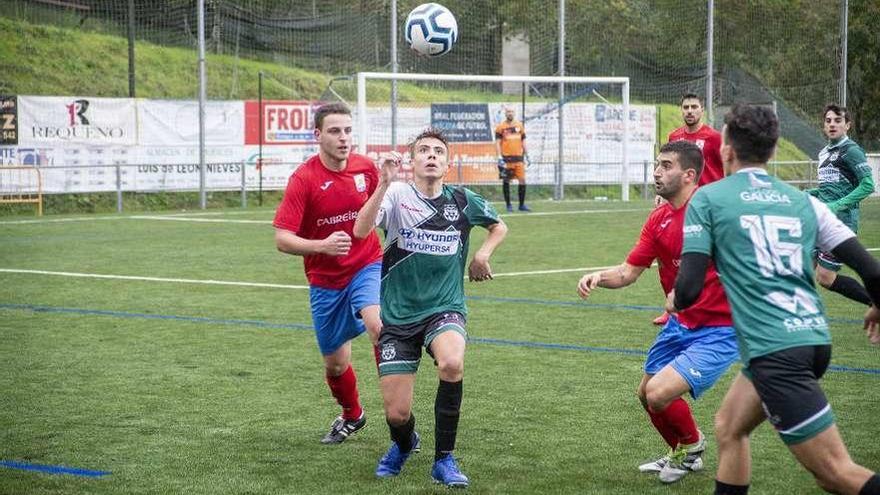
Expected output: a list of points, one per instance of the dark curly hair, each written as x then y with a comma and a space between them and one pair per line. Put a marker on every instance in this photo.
430, 132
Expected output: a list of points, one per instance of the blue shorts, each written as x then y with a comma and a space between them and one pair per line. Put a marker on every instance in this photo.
336, 312
700, 356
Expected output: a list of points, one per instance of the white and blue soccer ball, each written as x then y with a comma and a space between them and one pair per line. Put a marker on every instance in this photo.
431, 30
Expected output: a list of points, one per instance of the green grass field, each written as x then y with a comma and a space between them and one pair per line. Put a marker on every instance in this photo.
172, 386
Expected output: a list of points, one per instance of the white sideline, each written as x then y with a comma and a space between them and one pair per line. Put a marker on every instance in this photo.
192, 217
251, 284
153, 279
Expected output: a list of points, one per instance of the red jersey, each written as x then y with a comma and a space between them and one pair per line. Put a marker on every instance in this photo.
661, 239
318, 202
709, 140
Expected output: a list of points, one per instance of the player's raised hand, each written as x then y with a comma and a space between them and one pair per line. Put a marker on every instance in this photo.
587, 283
389, 164
337, 244
872, 325
479, 269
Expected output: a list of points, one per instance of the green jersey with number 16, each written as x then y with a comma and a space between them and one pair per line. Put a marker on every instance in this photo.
761, 232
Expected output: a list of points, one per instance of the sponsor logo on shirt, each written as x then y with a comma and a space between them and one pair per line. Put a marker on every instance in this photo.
410, 208
360, 182
450, 212
692, 229
345, 217
664, 223
440, 243
764, 196
325, 185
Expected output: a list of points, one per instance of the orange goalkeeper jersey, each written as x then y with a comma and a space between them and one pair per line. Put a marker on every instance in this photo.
511, 135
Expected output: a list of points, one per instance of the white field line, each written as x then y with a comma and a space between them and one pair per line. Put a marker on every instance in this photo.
251, 284
154, 279
198, 220
195, 217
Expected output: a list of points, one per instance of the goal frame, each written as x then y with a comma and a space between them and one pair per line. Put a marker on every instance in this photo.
363, 126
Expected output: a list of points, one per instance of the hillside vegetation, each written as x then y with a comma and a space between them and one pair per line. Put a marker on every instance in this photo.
30, 64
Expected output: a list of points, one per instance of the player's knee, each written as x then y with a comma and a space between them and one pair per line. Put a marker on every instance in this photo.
397, 414
373, 326
335, 368
723, 428
656, 399
451, 367
825, 277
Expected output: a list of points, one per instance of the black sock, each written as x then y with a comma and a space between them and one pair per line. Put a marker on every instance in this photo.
872, 486
402, 434
851, 288
446, 409
505, 188
521, 191
722, 488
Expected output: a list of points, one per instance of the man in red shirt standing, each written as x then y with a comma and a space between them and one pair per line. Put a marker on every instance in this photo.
315, 220
709, 142
696, 346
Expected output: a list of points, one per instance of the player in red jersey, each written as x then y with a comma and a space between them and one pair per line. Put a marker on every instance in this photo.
315, 220
709, 142
696, 346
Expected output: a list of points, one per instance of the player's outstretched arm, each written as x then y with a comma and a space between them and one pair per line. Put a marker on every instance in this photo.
336, 244
612, 278
366, 220
689, 282
479, 269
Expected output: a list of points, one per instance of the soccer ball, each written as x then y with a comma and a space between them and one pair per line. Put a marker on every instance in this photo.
431, 30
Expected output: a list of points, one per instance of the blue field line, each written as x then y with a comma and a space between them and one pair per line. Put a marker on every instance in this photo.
53, 469
298, 326
585, 304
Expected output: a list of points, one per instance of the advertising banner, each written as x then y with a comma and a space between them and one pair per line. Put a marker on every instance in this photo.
462, 122
57, 120
8, 120
176, 122
284, 122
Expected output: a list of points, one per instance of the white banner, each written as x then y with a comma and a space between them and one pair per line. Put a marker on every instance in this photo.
172, 123
52, 120
874, 163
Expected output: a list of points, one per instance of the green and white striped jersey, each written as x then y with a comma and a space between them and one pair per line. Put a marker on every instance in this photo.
842, 165
426, 248
761, 233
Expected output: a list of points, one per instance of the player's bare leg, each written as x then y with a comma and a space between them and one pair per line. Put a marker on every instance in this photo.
826, 457
740, 413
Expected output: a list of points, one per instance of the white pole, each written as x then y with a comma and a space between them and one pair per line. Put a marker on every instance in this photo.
362, 113
394, 69
559, 190
203, 200
710, 63
624, 184
844, 41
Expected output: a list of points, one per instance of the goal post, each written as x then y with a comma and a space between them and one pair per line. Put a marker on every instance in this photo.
577, 128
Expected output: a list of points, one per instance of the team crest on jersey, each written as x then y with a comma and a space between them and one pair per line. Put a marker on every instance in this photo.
450, 212
834, 156
388, 352
700, 143
360, 182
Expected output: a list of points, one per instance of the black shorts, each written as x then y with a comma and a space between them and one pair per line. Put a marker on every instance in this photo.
400, 346
787, 382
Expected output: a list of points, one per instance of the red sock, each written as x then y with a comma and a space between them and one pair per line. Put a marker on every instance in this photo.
679, 418
344, 388
666, 431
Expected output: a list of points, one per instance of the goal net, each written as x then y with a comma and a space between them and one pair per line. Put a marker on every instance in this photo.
577, 138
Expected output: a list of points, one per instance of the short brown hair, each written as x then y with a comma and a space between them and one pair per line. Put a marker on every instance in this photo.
690, 157
430, 132
690, 96
330, 109
837, 109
